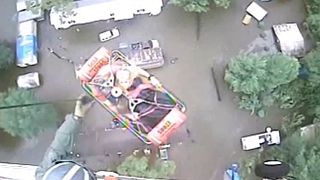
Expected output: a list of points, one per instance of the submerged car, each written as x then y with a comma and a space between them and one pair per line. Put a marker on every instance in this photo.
108, 35
26, 44
270, 137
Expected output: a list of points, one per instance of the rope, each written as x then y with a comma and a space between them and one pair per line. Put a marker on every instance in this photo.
36, 104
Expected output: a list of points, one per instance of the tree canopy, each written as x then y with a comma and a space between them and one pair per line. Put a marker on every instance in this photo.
139, 167
199, 6
6, 56
256, 78
303, 97
25, 122
313, 17
59, 5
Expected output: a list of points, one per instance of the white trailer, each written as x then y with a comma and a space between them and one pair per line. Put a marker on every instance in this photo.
86, 11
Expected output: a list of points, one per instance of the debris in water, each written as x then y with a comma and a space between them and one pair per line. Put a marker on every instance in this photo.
173, 61
261, 25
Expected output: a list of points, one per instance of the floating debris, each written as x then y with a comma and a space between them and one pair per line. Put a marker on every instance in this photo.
173, 61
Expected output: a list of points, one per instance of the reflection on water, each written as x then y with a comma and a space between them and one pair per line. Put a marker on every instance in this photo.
8, 77
8, 142
264, 44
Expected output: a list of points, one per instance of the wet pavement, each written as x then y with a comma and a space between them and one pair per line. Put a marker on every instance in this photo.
215, 127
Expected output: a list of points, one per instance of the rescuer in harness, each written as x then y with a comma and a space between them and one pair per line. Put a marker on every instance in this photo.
56, 165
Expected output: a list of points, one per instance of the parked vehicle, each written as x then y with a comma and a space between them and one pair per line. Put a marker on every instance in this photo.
109, 34
26, 44
29, 15
145, 54
255, 141
28, 81
103, 10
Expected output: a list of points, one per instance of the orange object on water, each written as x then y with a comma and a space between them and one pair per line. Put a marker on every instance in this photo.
167, 126
93, 65
110, 178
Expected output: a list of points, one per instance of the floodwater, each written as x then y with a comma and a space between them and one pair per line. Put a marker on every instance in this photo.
216, 127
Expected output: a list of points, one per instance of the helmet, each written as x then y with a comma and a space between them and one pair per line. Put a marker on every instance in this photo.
68, 170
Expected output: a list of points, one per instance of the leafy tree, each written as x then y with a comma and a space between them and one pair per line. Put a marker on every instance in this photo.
139, 167
281, 70
313, 17
313, 21
256, 79
199, 6
246, 74
26, 121
222, 3
251, 103
313, 6
290, 95
59, 5
6, 56
292, 123
312, 63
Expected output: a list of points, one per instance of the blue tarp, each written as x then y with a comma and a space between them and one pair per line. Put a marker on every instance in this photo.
26, 48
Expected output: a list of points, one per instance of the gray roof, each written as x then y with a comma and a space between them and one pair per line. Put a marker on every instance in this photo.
290, 39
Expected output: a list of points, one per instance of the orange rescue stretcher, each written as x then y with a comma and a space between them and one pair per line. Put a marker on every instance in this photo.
153, 113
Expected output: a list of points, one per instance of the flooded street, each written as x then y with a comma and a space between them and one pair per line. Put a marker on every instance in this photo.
215, 126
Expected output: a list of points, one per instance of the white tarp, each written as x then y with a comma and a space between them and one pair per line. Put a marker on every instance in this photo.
87, 11
28, 81
290, 39
256, 11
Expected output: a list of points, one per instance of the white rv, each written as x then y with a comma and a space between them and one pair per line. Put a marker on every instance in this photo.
86, 11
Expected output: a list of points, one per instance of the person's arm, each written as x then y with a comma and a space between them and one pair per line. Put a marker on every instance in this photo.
64, 137
139, 71
61, 145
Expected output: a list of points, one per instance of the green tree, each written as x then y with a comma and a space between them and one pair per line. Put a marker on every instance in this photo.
26, 121
199, 6
312, 63
139, 167
246, 74
281, 70
313, 6
313, 17
6, 56
59, 5
222, 3
313, 21
256, 78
